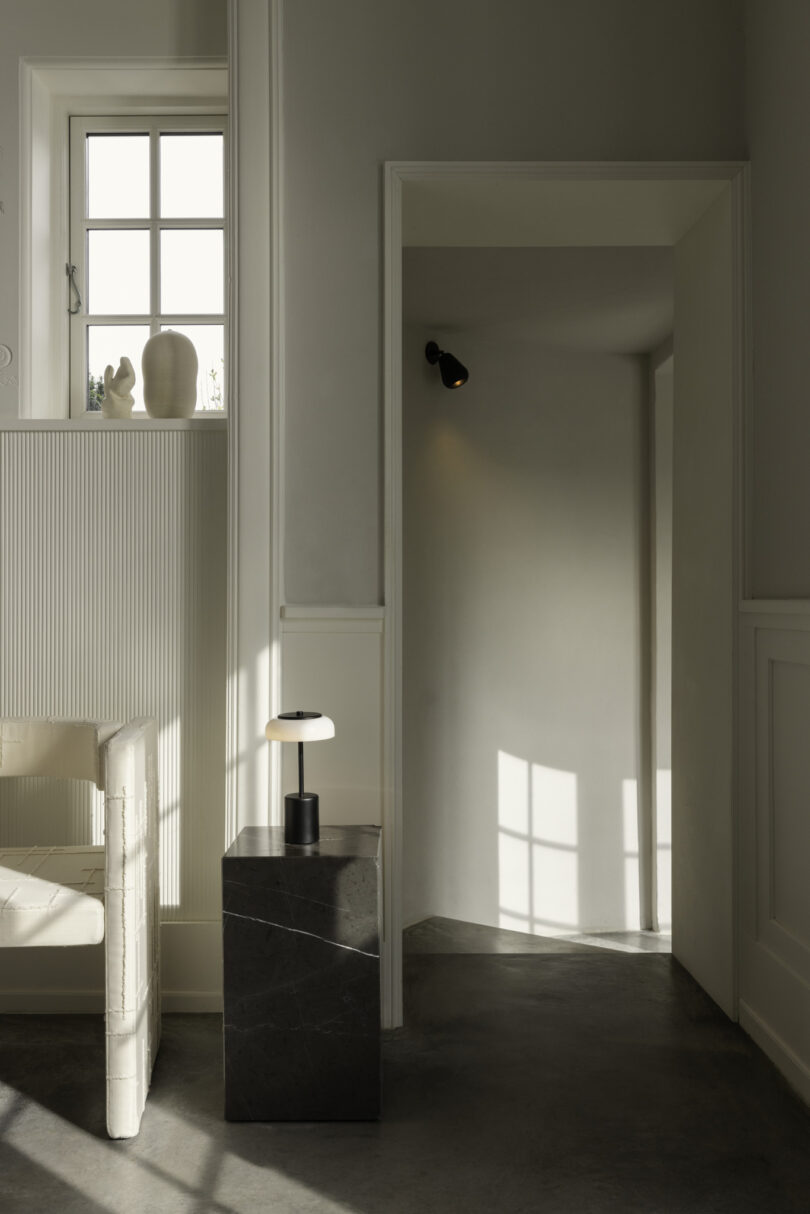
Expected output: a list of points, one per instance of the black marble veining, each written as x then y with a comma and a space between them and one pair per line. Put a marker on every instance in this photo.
301, 935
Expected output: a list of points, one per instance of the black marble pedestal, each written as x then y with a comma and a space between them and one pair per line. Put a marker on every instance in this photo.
301, 938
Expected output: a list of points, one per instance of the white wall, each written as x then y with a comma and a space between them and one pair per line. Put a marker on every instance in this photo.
774, 893
521, 635
362, 83
83, 30
704, 601
332, 663
662, 407
371, 80
778, 103
112, 605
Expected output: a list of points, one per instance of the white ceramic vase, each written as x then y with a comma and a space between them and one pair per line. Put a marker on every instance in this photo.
169, 365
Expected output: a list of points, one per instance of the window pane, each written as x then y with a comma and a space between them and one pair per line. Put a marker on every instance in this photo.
209, 342
191, 277
117, 272
117, 176
106, 345
191, 176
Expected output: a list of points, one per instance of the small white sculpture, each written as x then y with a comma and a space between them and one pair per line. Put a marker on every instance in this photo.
118, 400
169, 375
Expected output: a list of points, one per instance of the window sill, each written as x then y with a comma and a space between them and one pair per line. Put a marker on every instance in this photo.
109, 423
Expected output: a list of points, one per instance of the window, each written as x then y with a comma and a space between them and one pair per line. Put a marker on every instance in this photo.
148, 241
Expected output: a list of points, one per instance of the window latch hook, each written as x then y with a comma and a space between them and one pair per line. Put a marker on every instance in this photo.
71, 273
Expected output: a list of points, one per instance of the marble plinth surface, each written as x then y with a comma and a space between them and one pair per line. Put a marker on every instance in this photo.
301, 939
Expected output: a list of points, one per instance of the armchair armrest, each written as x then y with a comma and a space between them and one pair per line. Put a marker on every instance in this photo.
132, 922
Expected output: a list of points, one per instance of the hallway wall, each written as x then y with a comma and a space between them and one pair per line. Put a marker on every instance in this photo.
366, 81
704, 600
774, 895
521, 635
778, 119
662, 636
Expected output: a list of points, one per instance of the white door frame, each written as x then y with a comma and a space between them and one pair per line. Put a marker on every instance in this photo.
396, 174
255, 416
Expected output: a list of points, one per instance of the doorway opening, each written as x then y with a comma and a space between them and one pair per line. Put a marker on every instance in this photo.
527, 611
529, 541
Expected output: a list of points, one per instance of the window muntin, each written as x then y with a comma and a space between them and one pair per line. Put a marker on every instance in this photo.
149, 240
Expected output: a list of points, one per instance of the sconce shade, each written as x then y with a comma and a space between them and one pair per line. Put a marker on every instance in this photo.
299, 727
454, 374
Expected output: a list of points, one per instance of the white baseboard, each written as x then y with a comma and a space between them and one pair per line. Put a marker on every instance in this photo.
69, 980
191, 1001
794, 1069
191, 966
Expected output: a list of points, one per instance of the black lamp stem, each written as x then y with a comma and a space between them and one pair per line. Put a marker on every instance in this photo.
300, 769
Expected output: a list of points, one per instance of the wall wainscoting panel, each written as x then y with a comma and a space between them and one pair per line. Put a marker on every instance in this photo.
191, 964
332, 662
775, 837
112, 605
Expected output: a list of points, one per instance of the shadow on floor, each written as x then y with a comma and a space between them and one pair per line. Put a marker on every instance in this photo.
564, 1080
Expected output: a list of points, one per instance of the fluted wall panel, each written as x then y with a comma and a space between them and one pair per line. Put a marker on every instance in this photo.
112, 605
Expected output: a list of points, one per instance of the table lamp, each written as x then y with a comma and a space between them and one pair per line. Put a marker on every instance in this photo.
301, 808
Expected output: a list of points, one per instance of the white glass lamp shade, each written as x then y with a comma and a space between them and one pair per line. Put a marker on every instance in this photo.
300, 727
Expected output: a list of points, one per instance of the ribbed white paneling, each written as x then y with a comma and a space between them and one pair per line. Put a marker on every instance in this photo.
26, 815
112, 605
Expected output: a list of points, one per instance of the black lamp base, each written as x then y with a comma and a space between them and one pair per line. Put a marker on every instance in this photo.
301, 818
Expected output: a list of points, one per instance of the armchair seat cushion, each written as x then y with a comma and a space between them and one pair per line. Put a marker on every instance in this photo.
51, 896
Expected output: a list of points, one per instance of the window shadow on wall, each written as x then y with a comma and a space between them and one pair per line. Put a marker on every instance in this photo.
539, 849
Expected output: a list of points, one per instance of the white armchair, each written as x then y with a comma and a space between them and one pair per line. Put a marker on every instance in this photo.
86, 894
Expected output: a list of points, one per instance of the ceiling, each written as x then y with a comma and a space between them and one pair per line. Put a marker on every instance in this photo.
604, 300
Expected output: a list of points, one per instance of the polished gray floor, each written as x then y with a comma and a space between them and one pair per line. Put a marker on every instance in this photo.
438, 935
562, 1078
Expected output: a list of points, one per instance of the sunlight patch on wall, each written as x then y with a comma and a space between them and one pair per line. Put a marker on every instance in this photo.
253, 758
99, 815
169, 801
554, 806
514, 869
663, 850
232, 756
515, 895
513, 794
555, 888
538, 877
632, 893
555, 860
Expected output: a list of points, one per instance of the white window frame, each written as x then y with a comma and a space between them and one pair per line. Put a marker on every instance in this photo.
51, 91
153, 125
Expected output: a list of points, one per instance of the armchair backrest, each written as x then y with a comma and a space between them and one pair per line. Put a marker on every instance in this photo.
38, 746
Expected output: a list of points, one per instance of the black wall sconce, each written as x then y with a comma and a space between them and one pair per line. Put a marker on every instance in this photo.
454, 374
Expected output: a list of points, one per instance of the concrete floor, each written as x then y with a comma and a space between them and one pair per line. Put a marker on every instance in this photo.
438, 935
562, 1079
